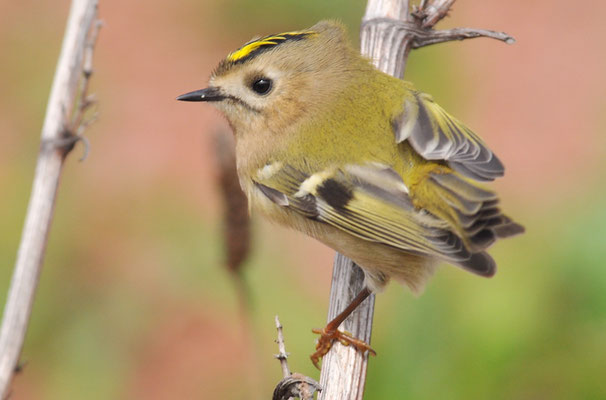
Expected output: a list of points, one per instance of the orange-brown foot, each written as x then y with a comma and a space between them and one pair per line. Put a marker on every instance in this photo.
329, 336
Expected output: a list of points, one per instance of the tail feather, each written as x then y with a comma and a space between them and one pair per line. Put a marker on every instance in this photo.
508, 228
483, 239
473, 213
474, 217
481, 264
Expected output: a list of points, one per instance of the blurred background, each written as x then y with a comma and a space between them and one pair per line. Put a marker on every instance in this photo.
134, 301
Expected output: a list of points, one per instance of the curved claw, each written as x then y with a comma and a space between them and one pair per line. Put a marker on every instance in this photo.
328, 337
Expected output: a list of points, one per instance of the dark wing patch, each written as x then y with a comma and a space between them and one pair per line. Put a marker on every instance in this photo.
336, 194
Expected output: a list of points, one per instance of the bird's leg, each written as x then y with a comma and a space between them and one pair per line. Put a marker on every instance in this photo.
330, 333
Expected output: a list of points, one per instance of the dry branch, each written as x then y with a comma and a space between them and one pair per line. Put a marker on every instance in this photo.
388, 33
292, 385
236, 221
282, 356
63, 125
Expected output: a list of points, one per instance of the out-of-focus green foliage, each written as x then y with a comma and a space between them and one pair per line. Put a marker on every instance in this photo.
535, 331
270, 16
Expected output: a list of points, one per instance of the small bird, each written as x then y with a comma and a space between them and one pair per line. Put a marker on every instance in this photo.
362, 161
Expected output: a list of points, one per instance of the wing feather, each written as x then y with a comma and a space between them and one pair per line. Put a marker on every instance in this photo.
370, 202
436, 135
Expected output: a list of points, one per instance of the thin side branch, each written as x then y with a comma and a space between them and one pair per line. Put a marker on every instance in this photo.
58, 138
449, 35
424, 37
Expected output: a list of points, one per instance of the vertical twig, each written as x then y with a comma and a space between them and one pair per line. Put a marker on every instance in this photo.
236, 230
236, 220
343, 372
389, 31
292, 385
282, 356
58, 138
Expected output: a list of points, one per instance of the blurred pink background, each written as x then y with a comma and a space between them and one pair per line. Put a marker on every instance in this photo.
133, 301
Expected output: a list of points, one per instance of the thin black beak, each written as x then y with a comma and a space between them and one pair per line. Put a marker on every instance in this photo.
208, 94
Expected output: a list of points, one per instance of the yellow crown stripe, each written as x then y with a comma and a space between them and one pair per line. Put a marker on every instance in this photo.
276, 37
273, 40
249, 48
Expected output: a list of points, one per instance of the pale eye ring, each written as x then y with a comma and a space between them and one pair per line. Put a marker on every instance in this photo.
261, 86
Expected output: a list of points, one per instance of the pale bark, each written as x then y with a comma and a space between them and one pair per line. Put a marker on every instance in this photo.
62, 125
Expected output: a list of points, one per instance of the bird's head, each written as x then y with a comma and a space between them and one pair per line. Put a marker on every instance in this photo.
274, 81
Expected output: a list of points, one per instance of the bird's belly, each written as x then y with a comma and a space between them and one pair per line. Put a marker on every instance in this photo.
380, 262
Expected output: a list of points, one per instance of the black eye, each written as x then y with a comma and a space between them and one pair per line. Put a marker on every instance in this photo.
261, 86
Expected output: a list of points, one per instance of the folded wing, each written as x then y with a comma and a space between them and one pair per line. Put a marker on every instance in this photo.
436, 135
370, 202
